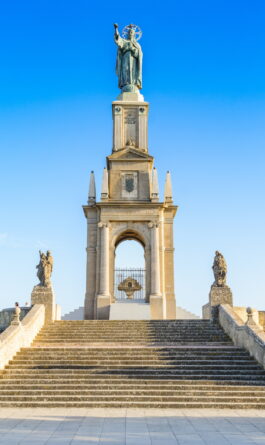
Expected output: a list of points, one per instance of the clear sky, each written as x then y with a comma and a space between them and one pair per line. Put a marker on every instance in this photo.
204, 76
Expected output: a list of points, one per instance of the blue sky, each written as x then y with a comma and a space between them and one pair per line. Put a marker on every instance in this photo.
203, 74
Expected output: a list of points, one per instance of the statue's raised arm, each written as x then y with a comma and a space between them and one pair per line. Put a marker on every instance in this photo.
129, 58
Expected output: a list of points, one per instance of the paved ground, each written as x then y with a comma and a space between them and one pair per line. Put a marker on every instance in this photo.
131, 426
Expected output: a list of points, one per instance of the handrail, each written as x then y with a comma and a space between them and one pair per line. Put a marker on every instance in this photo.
244, 335
21, 335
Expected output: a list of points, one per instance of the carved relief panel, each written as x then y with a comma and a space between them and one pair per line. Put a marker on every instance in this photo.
129, 185
130, 127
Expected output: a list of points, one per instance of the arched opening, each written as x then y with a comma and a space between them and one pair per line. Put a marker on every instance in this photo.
129, 270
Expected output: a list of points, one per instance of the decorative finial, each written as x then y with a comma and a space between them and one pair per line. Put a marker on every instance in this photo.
92, 189
155, 188
105, 185
168, 189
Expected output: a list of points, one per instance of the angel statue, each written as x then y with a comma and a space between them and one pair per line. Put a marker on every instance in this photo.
44, 269
219, 270
129, 58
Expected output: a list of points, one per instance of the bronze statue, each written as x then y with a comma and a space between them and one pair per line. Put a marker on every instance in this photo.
44, 269
219, 270
129, 58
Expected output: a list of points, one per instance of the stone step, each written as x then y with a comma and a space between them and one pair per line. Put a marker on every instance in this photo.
83, 393
207, 364
121, 364
136, 398
128, 328
136, 334
117, 381
133, 322
133, 404
229, 351
137, 358
132, 361
141, 372
190, 386
74, 341
124, 352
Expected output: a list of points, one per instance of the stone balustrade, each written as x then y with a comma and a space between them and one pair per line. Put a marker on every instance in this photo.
6, 316
21, 335
248, 335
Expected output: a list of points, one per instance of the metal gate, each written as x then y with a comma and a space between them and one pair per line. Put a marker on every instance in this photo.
135, 274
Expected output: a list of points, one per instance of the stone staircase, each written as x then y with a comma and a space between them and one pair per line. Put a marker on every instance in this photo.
171, 364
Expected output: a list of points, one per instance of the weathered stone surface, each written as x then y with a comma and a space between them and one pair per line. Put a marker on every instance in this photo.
45, 295
103, 363
246, 335
220, 295
7, 314
21, 334
219, 269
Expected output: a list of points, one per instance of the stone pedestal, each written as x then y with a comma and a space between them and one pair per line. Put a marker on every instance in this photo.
218, 295
44, 295
130, 120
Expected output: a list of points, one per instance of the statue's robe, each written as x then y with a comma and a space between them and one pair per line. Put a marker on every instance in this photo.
129, 62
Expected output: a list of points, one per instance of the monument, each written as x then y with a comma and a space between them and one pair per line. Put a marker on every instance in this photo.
43, 292
129, 207
220, 293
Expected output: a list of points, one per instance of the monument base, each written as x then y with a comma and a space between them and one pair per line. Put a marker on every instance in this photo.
45, 295
131, 97
129, 310
218, 295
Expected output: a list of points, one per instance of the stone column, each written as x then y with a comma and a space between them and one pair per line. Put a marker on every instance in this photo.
155, 263
103, 299
156, 300
104, 259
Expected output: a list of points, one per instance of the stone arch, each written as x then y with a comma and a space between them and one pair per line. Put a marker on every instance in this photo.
138, 231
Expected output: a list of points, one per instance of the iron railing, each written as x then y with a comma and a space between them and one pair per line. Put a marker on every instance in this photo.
137, 274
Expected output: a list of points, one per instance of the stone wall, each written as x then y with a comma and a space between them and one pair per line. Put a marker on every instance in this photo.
248, 336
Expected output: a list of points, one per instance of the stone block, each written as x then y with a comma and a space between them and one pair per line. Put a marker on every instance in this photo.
103, 307
220, 295
45, 295
156, 307
206, 311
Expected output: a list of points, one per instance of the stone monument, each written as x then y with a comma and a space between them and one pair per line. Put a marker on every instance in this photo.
130, 207
43, 292
220, 293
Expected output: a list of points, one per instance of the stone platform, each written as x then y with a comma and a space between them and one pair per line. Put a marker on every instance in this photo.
40, 426
127, 310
